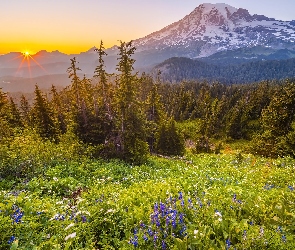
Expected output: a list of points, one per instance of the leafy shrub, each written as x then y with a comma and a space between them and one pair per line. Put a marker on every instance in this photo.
169, 141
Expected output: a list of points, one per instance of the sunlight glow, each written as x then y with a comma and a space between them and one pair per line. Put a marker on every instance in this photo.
27, 58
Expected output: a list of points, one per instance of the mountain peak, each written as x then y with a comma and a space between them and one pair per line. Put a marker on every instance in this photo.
211, 28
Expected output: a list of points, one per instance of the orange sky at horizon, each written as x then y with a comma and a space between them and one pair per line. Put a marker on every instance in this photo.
74, 26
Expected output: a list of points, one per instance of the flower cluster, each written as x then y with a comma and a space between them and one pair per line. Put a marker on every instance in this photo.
17, 214
167, 221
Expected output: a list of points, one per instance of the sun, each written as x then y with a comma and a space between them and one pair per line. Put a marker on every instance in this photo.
26, 53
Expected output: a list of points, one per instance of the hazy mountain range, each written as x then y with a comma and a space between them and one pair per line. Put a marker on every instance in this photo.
216, 34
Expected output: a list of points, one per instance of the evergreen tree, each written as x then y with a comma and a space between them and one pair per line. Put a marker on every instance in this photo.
169, 140
25, 110
58, 110
14, 117
278, 120
155, 114
43, 116
5, 129
131, 133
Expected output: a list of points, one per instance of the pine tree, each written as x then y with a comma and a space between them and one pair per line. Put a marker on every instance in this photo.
5, 129
14, 117
43, 117
169, 140
130, 118
155, 113
58, 110
25, 110
278, 118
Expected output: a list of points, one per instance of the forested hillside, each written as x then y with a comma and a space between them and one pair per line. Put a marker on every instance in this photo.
178, 69
128, 115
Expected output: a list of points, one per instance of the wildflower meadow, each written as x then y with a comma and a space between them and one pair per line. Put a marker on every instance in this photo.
205, 201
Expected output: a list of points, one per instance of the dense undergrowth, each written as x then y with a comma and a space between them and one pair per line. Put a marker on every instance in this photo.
66, 199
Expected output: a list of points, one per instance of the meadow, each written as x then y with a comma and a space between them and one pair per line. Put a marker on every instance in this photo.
229, 200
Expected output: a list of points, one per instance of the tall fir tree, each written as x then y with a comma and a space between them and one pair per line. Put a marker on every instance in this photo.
43, 117
131, 132
25, 111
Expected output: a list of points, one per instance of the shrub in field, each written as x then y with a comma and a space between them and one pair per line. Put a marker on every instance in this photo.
169, 140
27, 154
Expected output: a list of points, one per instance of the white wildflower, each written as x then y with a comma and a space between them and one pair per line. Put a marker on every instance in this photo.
70, 236
110, 211
69, 226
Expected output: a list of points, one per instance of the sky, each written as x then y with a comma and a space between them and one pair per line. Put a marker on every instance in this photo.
73, 26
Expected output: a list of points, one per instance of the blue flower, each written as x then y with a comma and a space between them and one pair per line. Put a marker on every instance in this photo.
182, 203
12, 238
291, 188
145, 238
155, 238
163, 245
228, 243
279, 229
150, 232
181, 219
284, 239
84, 219
180, 195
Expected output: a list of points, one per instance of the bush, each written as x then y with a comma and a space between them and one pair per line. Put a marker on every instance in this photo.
169, 141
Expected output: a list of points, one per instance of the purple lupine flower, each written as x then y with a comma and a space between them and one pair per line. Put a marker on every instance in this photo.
227, 243
158, 224
183, 229
156, 207
181, 220
173, 218
150, 232
155, 238
167, 221
163, 245
84, 219
190, 203
180, 195
182, 203
145, 238
17, 215
162, 209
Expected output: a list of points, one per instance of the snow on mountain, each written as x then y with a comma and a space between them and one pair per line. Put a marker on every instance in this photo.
214, 27
207, 30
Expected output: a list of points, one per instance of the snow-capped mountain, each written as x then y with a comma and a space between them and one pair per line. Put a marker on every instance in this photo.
211, 28
217, 33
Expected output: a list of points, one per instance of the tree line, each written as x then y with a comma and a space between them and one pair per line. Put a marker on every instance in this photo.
129, 116
177, 69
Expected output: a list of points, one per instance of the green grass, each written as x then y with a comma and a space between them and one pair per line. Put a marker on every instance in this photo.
95, 204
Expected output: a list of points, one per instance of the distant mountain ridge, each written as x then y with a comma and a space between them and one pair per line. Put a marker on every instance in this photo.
213, 33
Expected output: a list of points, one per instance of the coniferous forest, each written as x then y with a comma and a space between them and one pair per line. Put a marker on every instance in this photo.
127, 160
